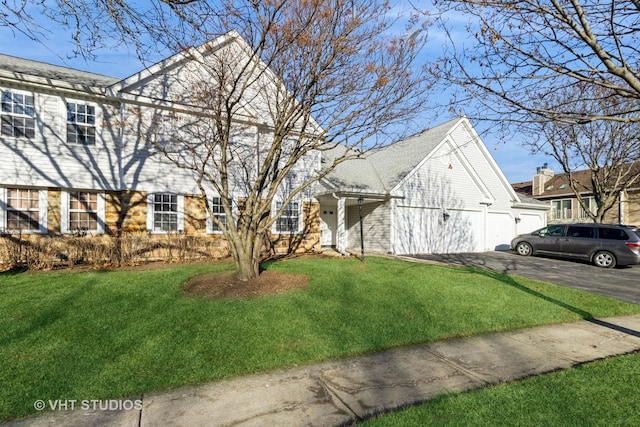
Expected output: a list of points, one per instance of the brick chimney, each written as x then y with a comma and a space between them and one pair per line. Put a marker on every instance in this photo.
543, 174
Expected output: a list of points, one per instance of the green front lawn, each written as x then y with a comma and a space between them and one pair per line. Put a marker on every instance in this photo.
108, 334
603, 393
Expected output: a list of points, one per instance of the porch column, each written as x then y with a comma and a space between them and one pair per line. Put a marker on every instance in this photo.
341, 233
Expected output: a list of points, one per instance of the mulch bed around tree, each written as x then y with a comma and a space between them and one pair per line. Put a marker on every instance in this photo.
227, 285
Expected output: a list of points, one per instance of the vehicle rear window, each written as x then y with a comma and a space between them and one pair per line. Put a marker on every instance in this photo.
613, 234
573, 231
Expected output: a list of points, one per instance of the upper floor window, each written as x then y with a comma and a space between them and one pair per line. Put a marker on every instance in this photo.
561, 209
166, 132
81, 124
26, 210
218, 211
165, 212
591, 204
82, 211
17, 115
289, 221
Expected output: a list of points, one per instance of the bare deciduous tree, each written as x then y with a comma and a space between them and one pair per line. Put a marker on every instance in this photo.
317, 74
609, 150
521, 52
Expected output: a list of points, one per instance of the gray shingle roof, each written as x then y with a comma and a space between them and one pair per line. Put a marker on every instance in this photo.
19, 66
354, 174
381, 170
395, 161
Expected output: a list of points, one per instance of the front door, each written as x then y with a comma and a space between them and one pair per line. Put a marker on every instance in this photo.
328, 226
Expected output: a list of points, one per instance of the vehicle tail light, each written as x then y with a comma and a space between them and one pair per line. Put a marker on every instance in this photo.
633, 245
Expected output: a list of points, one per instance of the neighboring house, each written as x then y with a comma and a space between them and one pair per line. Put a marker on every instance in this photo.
554, 190
75, 163
439, 191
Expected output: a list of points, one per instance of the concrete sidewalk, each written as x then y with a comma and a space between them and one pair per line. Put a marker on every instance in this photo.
348, 390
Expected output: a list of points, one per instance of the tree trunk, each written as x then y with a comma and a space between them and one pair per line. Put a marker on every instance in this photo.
246, 252
247, 265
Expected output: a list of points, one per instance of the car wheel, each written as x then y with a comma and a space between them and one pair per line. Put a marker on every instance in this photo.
604, 259
524, 249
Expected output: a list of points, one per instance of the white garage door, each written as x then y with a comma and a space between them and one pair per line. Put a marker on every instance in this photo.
500, 230
529, 223
423, 230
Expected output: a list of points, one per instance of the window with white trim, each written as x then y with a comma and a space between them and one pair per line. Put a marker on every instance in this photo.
81, 123
218, 211
561, 209
591, 204
289, 221
82, 211
17, 115
165, 212
25, 210
166, 132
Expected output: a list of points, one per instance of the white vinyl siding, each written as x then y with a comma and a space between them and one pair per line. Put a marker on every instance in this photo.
47, 160
375, 223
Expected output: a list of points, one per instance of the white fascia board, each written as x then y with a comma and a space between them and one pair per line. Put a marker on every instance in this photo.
492, 162
448, 139
40, 84
425, 160
536, 206
152, 71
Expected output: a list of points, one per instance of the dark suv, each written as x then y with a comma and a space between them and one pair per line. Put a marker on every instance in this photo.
604, 245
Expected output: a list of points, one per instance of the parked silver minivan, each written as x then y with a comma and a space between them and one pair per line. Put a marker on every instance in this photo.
604, 245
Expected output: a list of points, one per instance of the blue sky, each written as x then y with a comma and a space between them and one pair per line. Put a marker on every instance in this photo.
515, 161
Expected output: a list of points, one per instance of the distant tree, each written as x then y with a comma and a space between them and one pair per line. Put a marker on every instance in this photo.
98, 24
609, 149
332, 72
518, 53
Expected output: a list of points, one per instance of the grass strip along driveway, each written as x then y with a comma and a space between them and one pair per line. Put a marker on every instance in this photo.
109, 334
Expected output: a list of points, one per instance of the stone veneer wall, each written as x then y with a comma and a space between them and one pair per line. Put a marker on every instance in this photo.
126, 239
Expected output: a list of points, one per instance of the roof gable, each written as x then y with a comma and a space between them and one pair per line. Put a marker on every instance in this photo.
177, 81
385, 170
394, 162
171, 82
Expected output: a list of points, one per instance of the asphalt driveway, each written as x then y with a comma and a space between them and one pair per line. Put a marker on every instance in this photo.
622, 283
